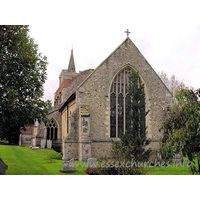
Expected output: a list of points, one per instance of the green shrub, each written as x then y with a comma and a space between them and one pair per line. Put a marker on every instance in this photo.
116, 171
3, 142
92, 171
123, 171
120, 167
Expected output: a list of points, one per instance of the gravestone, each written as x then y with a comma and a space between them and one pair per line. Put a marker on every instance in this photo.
92, 162
178, 158
49, 144
20, 140
33, 142
68, 166
43, 143
3, 167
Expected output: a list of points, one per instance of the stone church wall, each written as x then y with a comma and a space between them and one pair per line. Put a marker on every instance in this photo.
68, 91
95, 92
70, 144
70, 150
55, 114
101, 149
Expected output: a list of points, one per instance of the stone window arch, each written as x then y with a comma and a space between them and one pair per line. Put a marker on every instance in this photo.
119, 103
52, 130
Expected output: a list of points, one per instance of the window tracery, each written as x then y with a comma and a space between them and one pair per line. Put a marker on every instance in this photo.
52, 130
118, 103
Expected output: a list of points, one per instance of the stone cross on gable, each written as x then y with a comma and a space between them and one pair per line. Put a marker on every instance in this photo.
127, 32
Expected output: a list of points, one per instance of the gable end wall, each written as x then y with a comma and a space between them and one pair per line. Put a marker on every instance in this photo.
96, 89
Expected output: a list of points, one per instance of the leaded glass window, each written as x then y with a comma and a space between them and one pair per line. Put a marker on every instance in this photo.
118, 103
52, 130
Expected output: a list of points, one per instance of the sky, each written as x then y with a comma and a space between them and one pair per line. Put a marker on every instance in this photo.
166, 32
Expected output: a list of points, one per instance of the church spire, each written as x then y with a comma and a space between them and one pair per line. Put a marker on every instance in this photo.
71, 66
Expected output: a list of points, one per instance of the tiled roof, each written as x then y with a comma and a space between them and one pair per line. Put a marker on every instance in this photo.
65, 83
29, 130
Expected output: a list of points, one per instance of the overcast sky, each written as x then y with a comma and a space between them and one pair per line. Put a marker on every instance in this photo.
166, 32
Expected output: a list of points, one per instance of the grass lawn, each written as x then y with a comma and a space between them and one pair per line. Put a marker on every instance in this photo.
173, 169
169, 170
25, 161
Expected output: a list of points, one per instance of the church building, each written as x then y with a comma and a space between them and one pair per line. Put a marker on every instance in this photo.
90, 107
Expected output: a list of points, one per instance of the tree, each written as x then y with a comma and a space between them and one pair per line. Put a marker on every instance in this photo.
172, 83
22, 75
181, 131
133, 143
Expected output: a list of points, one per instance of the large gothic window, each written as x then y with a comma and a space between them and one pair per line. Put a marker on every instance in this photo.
52, 130
118, 103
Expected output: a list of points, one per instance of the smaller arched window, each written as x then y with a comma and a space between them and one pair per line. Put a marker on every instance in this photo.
52, 130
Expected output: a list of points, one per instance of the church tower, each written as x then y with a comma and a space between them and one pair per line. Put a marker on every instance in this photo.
67, 76
70, 72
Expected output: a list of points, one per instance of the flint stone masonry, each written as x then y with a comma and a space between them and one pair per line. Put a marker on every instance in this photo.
92, 162
3, 167
68, 166
84, 151
49, 144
